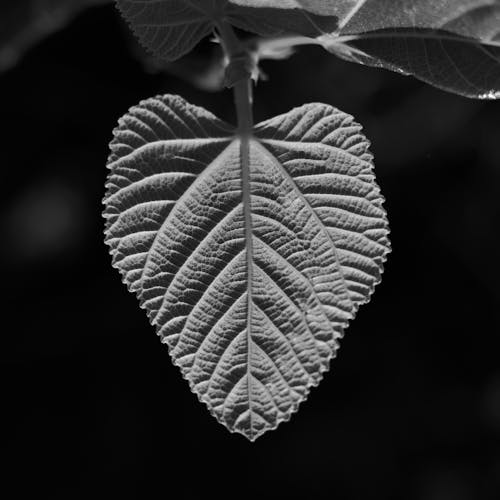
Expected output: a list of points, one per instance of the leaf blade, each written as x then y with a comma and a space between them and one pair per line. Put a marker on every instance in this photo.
168, 28
452, 45
243, 280
171, 28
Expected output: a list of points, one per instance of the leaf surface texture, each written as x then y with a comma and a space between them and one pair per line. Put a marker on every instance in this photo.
250, 284
451, 44
171, 28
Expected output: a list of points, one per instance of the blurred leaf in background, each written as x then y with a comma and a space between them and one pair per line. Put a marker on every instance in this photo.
42, 222
24, 23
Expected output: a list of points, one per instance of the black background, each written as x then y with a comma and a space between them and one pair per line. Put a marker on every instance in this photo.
411, 406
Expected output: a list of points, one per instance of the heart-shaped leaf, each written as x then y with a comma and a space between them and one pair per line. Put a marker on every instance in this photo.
250, 255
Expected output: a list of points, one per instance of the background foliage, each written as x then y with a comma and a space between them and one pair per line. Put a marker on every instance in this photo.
411, 407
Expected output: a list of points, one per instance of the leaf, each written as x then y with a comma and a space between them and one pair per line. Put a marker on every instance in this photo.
272, 18
23, 23
250, 255
451, 44
171, 28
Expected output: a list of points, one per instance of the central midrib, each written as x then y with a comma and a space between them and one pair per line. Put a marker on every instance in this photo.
247, 213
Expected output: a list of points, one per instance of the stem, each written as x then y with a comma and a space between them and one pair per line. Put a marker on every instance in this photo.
284, 42
243, 100
235, 51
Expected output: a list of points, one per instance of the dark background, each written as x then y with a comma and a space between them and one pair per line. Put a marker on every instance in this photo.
94, 407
